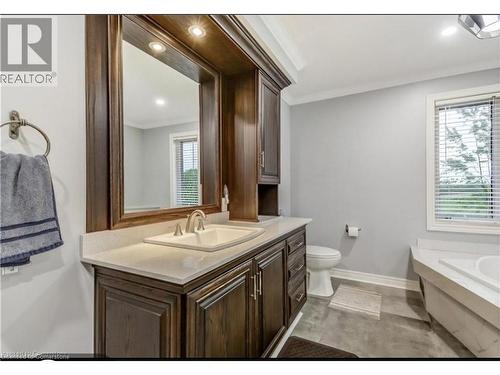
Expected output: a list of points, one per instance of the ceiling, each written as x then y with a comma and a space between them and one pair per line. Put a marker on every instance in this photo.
335, 55
146, 79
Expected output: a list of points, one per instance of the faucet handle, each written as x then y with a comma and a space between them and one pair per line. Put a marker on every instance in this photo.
201, 224
178, 230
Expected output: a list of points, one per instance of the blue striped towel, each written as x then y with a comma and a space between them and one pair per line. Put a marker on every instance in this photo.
28, 217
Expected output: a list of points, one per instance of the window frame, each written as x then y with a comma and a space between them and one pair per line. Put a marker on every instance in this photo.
459, 226
173, 167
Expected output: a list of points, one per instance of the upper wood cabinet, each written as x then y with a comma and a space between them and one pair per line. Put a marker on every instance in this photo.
269, 131
251, 134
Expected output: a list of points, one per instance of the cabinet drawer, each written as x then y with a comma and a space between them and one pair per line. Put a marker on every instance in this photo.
296, 256
297, 298
296, 242
296, 280
296, 264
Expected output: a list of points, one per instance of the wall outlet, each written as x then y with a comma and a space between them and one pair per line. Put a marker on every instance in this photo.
9, 270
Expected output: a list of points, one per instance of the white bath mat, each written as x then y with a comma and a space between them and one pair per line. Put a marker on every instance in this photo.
353, 299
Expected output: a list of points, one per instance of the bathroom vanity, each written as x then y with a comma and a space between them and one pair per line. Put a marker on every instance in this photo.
163, 302
181, 109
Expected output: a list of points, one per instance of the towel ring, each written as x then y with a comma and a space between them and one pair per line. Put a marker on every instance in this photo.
16, 122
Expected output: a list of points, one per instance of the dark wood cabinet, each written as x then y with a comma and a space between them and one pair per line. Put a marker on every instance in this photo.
297, 295
269, 131
297, 275
133, 321
220, 319
241, 314
240, 310
271, 318
251, 134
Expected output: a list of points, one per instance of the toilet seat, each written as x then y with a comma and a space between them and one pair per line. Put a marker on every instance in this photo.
322, 252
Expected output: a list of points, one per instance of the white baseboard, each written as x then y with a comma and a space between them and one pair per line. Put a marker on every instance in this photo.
371, 278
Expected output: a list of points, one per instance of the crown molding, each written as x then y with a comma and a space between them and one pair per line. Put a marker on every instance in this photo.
246, 41
346, 91
275, 42
286, 97
286, 43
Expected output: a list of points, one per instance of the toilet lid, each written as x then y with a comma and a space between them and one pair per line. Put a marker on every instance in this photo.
322, 252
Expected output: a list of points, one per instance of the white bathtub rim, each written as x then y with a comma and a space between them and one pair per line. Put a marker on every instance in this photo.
483, 301
469, 269
460, 246
431, 258
496, 266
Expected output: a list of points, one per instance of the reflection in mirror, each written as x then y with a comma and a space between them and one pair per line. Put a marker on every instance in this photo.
161, 159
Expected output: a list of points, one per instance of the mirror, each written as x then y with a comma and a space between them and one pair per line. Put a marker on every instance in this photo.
160, 134
163, 125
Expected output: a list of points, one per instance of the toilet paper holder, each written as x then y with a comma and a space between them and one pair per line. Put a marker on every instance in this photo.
347, 228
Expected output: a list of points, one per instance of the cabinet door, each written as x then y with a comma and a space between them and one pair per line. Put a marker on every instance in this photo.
131, 325
219, 316
269, 132
271, 302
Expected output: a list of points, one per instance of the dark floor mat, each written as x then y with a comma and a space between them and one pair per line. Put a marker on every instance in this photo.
297, 347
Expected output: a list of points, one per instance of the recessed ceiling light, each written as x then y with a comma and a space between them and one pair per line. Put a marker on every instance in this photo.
482, 26
449, 31
160, 102
157, 46
197, 31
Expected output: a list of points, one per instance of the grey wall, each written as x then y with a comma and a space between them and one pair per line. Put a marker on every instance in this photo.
360, 160
132, 166
157, 160
47, 306
147, 164
284, 193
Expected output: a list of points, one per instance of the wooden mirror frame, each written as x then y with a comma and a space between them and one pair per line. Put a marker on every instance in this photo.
105, 177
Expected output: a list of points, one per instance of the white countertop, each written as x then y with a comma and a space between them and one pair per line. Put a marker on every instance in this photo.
177, 265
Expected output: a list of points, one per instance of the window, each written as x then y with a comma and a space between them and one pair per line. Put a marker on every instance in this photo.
463, 161
185, 170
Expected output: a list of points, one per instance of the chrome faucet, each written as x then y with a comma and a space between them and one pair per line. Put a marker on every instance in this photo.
191, 220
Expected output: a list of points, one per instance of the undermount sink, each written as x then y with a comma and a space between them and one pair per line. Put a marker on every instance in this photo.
214, 237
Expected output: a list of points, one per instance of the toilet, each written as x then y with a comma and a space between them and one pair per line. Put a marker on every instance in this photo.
320, 260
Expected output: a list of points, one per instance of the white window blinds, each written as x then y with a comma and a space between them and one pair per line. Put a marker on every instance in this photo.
467, 160
186, 172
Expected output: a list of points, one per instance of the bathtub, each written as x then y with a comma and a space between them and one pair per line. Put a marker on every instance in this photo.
461, 288
483, 269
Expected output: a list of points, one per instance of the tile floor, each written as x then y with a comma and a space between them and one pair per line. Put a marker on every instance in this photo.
402, 331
